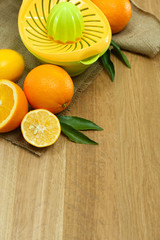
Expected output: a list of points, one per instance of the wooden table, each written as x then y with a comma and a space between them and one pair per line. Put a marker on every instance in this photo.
105, 192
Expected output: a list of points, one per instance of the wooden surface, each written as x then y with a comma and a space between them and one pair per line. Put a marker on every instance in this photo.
105, 192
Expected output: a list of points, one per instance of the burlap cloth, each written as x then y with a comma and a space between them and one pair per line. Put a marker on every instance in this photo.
142, 35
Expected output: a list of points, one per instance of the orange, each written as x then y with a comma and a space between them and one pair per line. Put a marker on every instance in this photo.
11, 64
40, 128
118, 12
49, 87
13, 105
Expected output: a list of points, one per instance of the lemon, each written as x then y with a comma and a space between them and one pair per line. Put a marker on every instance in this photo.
11, 65
40, 128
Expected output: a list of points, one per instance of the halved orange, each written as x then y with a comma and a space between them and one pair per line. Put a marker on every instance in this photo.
13, 105
40, 128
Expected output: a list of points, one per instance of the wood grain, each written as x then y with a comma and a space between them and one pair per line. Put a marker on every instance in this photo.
110, 191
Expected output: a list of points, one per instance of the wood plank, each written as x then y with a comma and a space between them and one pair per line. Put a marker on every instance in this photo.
32, 193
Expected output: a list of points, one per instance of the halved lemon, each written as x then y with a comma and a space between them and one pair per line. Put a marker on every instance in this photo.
13, 105
40, 128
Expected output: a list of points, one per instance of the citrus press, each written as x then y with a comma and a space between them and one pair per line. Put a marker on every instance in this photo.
72, 34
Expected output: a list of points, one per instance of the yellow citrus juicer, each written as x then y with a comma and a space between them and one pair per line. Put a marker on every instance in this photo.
72, 34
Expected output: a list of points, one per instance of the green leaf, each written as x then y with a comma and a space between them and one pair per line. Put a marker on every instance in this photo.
118, 51
108, 64
76, 136
79, 123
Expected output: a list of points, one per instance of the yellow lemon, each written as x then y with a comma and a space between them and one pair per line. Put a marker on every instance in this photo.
40, 128
11, 64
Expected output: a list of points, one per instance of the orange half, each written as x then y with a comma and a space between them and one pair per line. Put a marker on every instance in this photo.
13, 105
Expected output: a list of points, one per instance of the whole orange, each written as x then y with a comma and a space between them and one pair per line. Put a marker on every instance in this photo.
118, 12
49, 87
